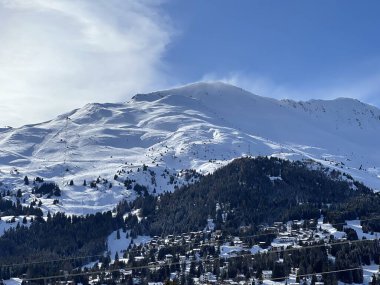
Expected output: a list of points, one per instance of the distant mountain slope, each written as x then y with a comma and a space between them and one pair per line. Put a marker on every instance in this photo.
201, 126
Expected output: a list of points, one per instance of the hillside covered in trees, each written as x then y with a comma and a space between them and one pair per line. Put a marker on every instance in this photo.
250, 192
241, 198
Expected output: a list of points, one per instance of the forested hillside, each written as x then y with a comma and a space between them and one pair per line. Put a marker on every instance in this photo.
250, 192
241, 198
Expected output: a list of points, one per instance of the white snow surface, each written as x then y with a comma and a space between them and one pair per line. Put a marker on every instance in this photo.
122, 244
202, 126
5, 223
330, 229
368, 271
13, 281
355, 225
227, 251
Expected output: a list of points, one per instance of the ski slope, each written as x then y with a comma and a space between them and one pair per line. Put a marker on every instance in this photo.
201, 126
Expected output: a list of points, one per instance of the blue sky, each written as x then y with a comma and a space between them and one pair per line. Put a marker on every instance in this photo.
304, 48
65, 53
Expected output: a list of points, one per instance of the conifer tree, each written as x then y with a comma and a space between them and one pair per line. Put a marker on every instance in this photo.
26, 180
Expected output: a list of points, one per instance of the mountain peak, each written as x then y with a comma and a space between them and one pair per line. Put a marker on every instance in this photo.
205, 86
197, 90
200, 126
208, 86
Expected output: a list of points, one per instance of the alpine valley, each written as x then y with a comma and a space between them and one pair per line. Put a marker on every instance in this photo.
205, 183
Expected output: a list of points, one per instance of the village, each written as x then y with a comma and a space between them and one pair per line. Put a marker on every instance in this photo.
208, 256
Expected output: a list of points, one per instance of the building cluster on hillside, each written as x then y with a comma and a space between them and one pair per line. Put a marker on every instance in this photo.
205, 256
209, 257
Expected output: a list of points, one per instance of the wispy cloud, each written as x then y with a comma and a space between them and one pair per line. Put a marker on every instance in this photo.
362, 87
254, 83
58, 55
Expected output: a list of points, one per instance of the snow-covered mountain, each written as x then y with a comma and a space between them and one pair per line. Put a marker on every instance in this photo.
200, 126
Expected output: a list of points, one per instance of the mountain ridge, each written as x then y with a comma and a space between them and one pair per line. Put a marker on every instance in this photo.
201, 126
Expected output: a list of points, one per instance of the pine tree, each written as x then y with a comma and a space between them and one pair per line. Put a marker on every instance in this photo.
278, 271
373, 279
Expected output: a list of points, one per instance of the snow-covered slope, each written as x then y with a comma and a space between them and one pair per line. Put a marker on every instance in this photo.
200, 126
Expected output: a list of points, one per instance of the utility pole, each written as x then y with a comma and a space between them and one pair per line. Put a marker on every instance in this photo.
65, 149
65, 140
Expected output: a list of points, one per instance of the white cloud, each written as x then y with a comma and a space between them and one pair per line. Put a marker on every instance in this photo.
58, 55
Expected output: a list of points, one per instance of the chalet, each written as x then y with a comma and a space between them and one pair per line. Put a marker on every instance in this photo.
267, 274
318, 277
278, 225
139, 258
174, 275
182, 259
153, 266
168, 258
208, 277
